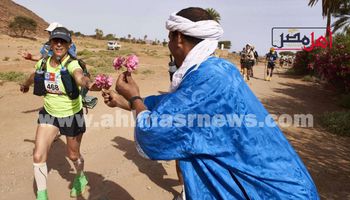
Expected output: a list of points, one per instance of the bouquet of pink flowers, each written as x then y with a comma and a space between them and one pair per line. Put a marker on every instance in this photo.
103, 81
130, 62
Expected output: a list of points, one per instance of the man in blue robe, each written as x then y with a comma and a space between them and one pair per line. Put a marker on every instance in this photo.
226, 144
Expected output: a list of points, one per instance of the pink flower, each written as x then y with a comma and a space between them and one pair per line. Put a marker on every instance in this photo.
131, 63
118, 62
109, 82
103, 81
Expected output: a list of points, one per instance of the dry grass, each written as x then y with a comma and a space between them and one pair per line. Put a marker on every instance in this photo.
147, 72
12, 76
100, 60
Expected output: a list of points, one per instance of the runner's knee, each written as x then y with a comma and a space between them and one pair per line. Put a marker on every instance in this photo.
39, 157
73, 155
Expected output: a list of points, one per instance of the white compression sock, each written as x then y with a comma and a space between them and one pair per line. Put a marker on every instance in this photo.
79, 165
40, 175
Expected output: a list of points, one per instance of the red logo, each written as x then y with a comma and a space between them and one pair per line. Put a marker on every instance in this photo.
52, 77
300, 38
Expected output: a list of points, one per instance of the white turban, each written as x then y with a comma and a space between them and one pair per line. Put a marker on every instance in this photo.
208, 30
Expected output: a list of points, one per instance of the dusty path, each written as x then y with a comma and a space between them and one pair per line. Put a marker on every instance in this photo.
115, 169
325, 155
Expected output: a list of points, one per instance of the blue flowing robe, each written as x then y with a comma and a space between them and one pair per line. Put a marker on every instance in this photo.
220, 159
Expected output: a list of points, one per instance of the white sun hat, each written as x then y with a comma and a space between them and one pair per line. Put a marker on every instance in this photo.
52, 26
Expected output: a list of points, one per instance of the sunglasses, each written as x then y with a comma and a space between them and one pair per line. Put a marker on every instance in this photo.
59, 40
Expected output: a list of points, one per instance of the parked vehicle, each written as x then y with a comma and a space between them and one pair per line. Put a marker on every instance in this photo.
113, 45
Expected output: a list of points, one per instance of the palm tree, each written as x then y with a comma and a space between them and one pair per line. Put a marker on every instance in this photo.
328, 7
214, 14
145, 38
129, 37
99, 33
343, 15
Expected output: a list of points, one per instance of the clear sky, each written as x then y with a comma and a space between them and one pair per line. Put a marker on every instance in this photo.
244, 21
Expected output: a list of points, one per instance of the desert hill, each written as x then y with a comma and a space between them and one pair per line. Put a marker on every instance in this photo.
9, 10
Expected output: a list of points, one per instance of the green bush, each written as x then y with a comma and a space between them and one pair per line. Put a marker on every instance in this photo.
6, 59
99, 33
93, 72
147, 72
337, 122
150, 52
344, 101
308, 78
332, 65
21, 24
124, 52
287, 53
78, 34
12, 76
85, 53
110, 37
303, 62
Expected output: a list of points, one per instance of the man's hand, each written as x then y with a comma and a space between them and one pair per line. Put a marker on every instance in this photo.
113, 99
126, 86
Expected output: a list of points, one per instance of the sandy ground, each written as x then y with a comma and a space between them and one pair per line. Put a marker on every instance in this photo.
113, 166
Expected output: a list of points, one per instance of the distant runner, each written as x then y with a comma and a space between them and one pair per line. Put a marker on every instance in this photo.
271, 58
247, 61
255, 61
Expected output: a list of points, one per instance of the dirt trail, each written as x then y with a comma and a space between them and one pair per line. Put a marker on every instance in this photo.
325, 155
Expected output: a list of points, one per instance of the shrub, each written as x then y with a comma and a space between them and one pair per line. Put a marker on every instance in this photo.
150, 52
308, 78
12, 76
337, 122
344, 101
99, 33
6, 58
22, 24
78, 34
287, 53
110, 37
147, 72
332, 65
84, 53
303, 62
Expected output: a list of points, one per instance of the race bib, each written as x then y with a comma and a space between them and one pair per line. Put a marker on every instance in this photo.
52, 83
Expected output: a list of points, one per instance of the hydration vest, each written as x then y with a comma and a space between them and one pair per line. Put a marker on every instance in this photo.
70, 86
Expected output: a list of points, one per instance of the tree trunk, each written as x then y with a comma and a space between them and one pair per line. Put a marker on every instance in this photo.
24, 30
328, 22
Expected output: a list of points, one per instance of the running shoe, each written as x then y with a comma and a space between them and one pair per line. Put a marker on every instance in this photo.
79, 185
42, 195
